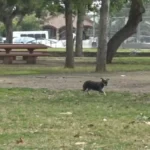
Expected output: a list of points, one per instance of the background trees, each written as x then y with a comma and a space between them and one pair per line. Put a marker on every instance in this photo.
103, 36
69, 63
81, 8
135, 17
79, 33
16, 10
12, 8
29, 23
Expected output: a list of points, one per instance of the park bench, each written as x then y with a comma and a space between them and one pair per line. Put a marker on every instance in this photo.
9, 52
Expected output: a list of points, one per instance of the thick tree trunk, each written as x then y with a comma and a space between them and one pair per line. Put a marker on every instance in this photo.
9, 29
69, 35
79, 33
135, 17
102, 38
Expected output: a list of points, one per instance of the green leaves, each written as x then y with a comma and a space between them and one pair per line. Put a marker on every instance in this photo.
30, 22
116, 5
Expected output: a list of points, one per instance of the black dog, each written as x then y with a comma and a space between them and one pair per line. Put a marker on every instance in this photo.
96, 86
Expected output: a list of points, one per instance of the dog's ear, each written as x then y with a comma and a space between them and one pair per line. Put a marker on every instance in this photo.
102, 78
107, 79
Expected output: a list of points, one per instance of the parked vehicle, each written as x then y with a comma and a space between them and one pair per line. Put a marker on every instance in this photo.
24, 40
33, 34
30, 40
1, 39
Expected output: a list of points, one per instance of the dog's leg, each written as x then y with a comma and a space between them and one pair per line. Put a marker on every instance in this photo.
88, 92
102, 92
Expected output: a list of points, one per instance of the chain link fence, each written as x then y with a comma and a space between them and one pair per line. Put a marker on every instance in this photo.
140, 40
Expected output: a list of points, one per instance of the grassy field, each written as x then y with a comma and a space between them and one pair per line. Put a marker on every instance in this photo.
72, 120
56, 65
91, 50
95, 50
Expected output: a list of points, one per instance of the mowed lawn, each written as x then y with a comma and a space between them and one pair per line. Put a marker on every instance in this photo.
73, 120
55, 65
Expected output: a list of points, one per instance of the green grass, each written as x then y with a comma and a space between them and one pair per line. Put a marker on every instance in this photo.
95, 50
112, 122
89, 50
82, 65
130, 64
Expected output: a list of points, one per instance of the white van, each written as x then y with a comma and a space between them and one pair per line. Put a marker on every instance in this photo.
33, 34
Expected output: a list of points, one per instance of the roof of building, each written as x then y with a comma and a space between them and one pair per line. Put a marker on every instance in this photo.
58, 21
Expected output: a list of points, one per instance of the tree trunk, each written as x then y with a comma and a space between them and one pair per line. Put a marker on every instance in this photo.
79, 33
9, 29
69, 35
102, 38
135, 17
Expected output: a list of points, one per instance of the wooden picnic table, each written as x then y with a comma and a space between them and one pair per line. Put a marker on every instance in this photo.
29, 47
8, 55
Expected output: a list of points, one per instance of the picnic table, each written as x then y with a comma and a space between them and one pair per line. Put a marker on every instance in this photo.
27, 51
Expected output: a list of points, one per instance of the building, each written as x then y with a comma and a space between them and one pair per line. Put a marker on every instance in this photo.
56, 26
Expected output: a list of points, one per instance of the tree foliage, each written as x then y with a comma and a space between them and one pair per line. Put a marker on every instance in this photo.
116, 5
13, 8
29, 23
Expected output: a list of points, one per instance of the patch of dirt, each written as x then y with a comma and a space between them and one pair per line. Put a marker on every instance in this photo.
129, 81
